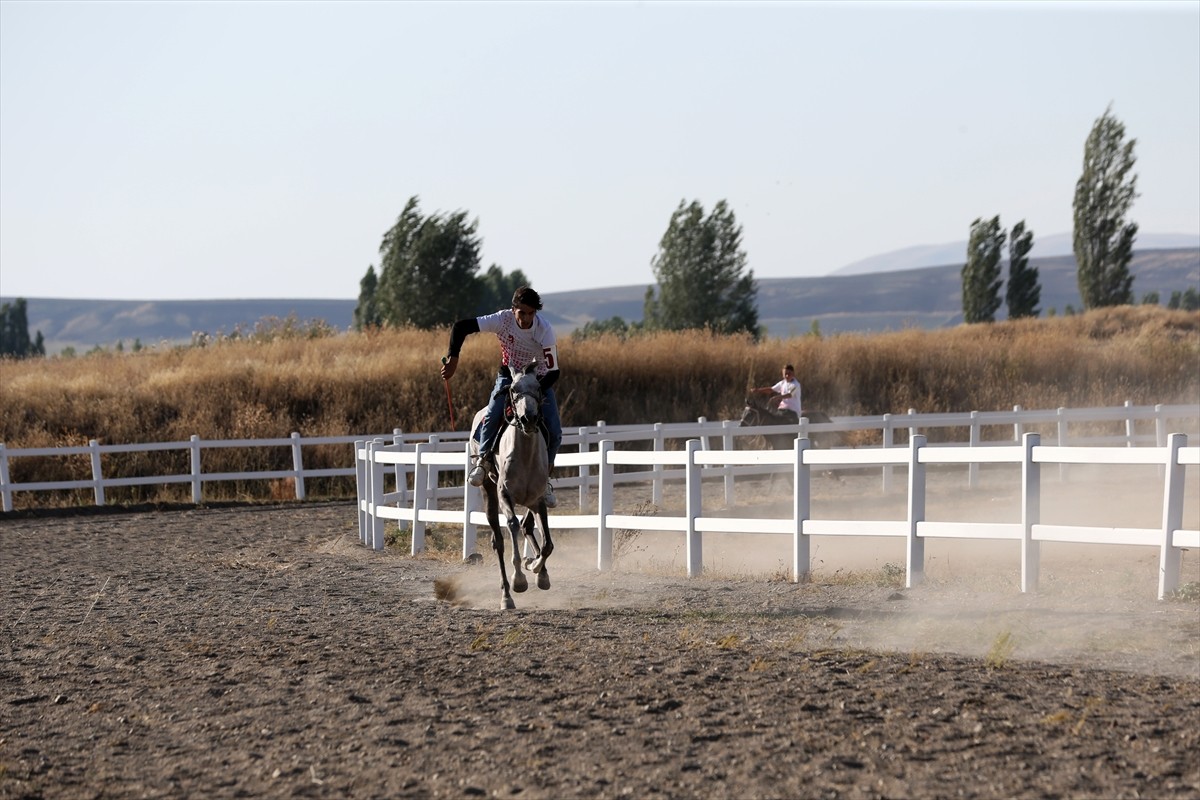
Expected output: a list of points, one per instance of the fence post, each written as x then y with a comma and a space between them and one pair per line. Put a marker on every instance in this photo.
703, 423
1018, 426
360, 484
1031, 512
97, 471
1160, 434
298, 465
1172, 518
470, 504
400, 473
419, 497
1130, 427
377, 473
433, 473
694, 482
5, 489
973, 467
727, 426
801, 511
656, 486
1062, 440
915, 545
604, 502
887, 442
585, 475
196, 482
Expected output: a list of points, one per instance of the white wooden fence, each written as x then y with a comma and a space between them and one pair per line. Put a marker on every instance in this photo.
980, 428
417, 507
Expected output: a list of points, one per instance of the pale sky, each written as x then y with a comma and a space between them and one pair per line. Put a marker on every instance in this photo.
196, 150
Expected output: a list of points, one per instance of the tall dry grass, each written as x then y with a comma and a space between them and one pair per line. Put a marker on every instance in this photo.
269, 386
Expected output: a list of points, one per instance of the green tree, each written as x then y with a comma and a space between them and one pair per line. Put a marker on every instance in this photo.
1190, 300
14, 332
427, 270
701, 273
1150, 299
497, 288
1023, 291
614, 326
981, 274
366, 313
1103, 240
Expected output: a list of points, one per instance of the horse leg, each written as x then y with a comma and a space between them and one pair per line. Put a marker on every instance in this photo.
493, 518
531, 538
538, 567
519, 582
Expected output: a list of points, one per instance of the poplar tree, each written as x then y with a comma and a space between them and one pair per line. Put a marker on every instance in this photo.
1103, 239
1023, 292
427, 269
700, 269
981, 274
14, 332
366, 313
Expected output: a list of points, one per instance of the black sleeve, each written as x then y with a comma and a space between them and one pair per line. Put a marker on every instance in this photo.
549, 379
459, 333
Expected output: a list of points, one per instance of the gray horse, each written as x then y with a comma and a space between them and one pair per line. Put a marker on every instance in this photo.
757, 414
522, 468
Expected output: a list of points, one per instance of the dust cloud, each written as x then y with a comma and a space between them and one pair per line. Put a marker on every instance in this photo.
1094, 604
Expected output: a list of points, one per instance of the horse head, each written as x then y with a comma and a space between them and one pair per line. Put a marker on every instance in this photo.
755, 413
749, 416
525, 399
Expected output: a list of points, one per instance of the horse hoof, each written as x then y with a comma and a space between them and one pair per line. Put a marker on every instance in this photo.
544, 579
507, 604
519, 584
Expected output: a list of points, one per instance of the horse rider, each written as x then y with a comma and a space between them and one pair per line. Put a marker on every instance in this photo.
525, 336
785, 394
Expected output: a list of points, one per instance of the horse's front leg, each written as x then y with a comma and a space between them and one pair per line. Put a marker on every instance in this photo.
519, 582
493, 518
538, 566
531, 540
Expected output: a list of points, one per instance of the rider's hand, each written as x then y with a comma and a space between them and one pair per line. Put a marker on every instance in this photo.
449, 364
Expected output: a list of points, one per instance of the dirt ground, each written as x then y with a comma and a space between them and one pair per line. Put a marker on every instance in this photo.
263, 652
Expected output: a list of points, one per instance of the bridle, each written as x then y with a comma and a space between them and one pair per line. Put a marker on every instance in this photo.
529, 421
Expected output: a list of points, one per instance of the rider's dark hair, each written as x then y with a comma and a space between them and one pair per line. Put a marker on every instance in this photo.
789, 367
526, 296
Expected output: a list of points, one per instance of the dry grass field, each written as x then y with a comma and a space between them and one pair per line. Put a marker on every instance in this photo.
276, 380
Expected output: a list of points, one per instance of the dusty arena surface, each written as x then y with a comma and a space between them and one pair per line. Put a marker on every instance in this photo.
263, 652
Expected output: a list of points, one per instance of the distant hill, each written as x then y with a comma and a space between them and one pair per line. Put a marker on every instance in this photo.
928, 297
1059, 244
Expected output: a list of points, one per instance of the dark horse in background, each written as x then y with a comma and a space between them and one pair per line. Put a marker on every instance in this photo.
758, 413
522, 467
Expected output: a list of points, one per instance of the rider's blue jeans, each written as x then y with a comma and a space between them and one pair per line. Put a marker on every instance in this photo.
487, 433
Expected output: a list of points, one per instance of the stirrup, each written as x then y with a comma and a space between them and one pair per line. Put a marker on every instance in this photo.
549, 498
476, 475
478, 472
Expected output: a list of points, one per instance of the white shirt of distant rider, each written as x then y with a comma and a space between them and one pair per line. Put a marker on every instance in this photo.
519, 346
792, 401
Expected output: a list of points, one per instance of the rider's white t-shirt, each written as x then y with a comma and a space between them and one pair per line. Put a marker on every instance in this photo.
519, 346
791, 403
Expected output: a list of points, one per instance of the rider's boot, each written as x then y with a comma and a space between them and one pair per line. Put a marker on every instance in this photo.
479, 471
551, 500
